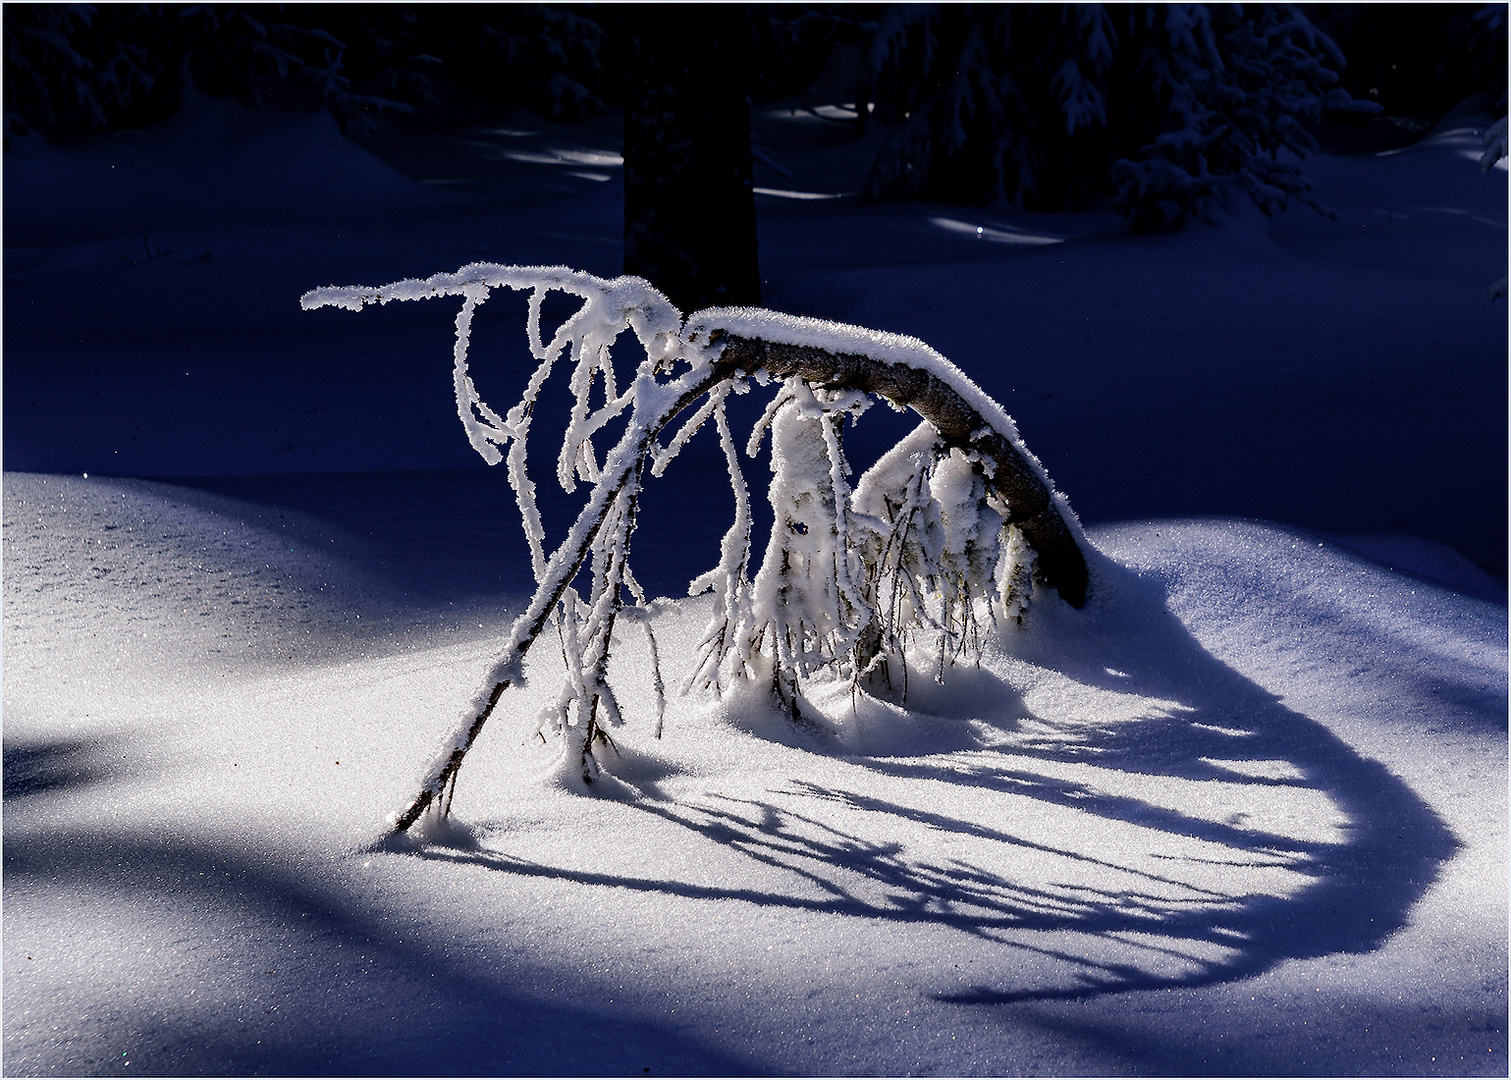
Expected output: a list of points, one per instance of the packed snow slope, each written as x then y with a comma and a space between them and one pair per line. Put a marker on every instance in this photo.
1246, 813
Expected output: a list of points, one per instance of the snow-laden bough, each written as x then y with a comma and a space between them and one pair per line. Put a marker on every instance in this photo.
951, 528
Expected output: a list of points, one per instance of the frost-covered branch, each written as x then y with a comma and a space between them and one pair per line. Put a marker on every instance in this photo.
948, 529
908, 373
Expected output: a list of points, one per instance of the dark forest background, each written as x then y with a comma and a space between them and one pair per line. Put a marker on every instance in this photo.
1160, 111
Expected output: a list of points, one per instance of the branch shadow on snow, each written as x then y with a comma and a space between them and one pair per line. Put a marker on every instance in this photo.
1162, 925
50, 766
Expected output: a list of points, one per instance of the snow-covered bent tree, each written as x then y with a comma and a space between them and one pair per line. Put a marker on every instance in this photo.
951, 527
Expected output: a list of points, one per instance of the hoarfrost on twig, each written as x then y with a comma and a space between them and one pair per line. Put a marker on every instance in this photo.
939, 537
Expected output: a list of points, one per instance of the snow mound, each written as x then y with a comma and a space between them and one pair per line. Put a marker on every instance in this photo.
1256, 768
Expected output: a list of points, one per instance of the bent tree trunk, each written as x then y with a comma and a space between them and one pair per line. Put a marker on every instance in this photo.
1031, 502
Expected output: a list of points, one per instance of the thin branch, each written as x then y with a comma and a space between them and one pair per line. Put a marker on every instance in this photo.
624, 463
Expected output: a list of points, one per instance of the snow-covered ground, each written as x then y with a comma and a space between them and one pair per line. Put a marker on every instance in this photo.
1245, 813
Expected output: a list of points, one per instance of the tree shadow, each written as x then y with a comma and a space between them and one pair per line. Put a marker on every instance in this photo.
271, 970
1185, 912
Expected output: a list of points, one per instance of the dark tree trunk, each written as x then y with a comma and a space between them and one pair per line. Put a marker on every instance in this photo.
689, 208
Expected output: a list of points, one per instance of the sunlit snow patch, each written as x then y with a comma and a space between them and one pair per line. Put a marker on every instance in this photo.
598, 158
779, 193
1006, 235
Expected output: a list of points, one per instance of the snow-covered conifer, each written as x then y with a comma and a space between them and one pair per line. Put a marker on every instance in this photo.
1158, 107
75, 66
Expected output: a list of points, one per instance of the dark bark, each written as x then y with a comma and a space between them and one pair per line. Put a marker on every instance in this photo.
1030, 504
689, 207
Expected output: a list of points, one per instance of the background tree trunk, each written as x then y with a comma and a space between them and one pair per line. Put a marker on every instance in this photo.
689, 208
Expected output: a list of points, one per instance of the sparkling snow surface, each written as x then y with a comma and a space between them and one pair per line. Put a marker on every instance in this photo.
1245, 813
